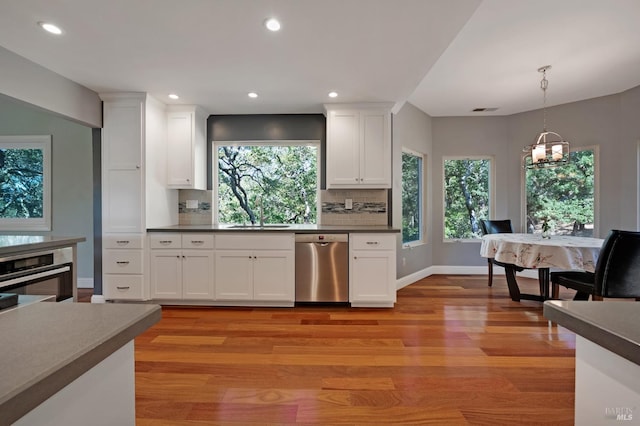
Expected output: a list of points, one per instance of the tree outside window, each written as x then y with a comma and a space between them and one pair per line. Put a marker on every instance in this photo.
562, 196
466, 196
278, 181
412, 197
25, 182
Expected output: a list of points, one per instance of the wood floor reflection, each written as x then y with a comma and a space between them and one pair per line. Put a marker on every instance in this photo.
452, 352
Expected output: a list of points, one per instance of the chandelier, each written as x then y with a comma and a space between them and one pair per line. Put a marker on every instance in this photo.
550, 149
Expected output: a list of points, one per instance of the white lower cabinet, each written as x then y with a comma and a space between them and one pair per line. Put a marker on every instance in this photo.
255, 268
185, 273
372, 270
123, 267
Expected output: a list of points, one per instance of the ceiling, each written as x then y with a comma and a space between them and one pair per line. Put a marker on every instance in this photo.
446, 57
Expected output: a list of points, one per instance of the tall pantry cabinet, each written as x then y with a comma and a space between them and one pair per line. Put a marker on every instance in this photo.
134, 191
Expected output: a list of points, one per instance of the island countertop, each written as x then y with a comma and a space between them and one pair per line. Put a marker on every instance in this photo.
295, 228
16, 244
610, 324
46, 346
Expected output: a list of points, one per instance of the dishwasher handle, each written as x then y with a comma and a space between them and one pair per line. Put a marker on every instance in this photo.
322, 238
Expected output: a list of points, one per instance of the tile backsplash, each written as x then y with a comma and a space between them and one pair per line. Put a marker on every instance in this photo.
188, 213
369, 207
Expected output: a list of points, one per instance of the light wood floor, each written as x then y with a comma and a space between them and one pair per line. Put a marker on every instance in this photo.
453, 351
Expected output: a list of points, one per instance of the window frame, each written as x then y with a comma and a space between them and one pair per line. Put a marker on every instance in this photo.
422, 201
596, 188
281, 142
491, 182
42, 142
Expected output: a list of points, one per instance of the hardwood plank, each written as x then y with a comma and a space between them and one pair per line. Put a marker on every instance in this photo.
452, 351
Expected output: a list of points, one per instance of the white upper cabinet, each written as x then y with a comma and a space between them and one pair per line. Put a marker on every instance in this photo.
186, 147
358, 146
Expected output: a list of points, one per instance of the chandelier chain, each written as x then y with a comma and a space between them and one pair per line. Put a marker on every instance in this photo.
544, 83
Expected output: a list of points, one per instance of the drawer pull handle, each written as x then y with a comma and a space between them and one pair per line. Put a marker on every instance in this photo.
122, 262
123, 287
197, 242
122, 242
372, 242
166, 241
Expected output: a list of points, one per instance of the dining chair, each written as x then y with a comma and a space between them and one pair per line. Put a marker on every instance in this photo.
496, 227
617, 272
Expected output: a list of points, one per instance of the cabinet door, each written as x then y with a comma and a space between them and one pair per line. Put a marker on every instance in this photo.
343, 148
197, 274
375, 152
274, 275
180, 149
372, 277
166, 274
233, 272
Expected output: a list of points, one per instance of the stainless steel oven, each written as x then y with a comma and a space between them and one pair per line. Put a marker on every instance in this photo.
42, 273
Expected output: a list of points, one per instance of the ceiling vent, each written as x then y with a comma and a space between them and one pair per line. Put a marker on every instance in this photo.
484, 109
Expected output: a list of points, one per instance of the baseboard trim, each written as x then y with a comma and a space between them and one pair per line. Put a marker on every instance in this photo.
456, 270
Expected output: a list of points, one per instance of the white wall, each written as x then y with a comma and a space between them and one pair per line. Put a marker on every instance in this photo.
35, 85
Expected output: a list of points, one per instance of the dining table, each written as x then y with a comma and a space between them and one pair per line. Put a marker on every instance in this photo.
532, 251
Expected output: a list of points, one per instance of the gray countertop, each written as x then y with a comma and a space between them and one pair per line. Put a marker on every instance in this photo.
45, 346
300, 229
610, 324
15, 244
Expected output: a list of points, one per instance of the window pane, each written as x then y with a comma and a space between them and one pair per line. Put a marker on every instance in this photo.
21, 183
564, 196
466, 198
411, 198
279, 180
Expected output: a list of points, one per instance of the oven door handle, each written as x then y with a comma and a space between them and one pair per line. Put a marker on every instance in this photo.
35, 276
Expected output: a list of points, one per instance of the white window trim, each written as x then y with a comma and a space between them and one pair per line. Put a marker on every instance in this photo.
423, 218
596, 189
42, 142
492, 175
282, 142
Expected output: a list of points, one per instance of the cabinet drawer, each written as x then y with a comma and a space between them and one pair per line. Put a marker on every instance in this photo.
123, 287
122, 261
163, 240
196, 241
372, 241
255, 241
123, 241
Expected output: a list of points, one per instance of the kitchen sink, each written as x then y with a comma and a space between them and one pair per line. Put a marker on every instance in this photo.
258, 226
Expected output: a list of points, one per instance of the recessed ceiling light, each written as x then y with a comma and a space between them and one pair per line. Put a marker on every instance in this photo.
272, 24
49, 27
252, 94
333, 94
173, 96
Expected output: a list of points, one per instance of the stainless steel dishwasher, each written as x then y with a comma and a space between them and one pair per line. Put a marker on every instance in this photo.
322, 268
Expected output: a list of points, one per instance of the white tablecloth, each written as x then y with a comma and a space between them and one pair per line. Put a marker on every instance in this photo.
532, 251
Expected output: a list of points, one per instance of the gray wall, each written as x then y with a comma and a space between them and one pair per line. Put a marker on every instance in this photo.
412, 129
71, 173
609, 122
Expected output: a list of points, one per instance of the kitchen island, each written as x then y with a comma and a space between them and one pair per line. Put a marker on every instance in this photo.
607, 358
70, 363
295, 228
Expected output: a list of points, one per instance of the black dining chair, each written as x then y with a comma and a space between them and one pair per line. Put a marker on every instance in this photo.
496, 227
617, 272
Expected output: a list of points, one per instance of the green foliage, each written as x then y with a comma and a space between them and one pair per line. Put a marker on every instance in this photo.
21, 184
466, 187
564, 195
411, 197
282, 178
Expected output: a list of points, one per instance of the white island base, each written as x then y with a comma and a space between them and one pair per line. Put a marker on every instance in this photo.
103, 396
607, 386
